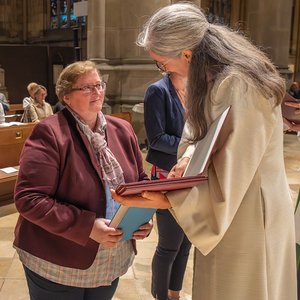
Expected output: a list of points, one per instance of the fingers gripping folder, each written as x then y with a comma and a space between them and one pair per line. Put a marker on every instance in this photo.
193, 174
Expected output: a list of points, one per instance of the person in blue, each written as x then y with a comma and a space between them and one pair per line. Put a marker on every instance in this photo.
294, 91
164, 115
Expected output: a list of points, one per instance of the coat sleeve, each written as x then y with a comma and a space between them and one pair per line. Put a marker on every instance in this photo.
206, 211
37, 182
32, 115
50, 110
155, 111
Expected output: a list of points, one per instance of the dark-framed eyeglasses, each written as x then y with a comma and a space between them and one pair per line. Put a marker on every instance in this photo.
161, 66
90, 89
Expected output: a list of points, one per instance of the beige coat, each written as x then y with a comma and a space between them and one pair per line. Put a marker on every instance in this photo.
241, 221
38, 112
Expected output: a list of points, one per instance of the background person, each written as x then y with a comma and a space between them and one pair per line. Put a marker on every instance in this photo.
294, 90
2, 115
27, 100
67, 166
241, 220
164, 115
38, 109
4, 102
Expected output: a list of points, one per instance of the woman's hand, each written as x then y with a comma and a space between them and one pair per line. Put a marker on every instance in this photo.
148, 200
178, 170
144, 231
294, 104
292, 126
102, 234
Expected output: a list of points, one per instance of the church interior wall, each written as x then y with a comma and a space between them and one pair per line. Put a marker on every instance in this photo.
109, 40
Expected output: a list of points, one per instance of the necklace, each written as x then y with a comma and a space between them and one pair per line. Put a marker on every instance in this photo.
181, 95
179, 81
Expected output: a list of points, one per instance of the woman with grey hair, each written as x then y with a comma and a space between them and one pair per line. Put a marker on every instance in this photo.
241, 220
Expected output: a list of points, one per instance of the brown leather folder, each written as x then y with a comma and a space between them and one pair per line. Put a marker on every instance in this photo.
288, 111
162, 185
194, 172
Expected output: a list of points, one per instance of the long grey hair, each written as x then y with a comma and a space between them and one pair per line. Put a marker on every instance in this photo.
216, 49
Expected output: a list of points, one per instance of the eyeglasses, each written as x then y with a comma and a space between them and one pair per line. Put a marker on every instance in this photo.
90, 89
162, 66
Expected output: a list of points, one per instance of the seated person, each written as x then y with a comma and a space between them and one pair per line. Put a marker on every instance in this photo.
4, 102
2, 117
30, 88
294, 90
38, 109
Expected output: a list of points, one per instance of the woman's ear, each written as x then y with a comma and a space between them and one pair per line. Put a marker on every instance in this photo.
66, 99
187, 54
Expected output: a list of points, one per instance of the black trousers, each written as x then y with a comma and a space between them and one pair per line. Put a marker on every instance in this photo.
41, 288
170, 259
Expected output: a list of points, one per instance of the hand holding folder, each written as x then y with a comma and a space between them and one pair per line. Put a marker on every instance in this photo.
194, 172
130, 218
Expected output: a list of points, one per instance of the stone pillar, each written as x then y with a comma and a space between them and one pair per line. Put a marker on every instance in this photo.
113, 26
269, 24
96, 30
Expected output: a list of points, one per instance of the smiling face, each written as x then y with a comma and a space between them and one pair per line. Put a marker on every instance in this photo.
175, 65
87, 106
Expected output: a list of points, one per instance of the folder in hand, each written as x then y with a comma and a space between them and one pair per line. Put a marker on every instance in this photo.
194, 172
129, 219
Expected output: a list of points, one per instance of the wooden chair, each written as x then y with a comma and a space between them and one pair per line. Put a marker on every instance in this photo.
125, 116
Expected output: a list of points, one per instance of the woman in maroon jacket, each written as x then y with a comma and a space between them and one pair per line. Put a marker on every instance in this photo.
67, 166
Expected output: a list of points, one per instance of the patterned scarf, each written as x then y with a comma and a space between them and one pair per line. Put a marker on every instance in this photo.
111, 170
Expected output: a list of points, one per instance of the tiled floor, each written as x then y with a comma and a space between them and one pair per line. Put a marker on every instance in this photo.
135, 284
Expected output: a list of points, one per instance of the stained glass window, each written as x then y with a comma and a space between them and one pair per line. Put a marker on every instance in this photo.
62, 14
73, 20
53, 14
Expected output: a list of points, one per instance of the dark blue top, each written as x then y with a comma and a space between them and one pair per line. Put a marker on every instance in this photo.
295, 94
164, 121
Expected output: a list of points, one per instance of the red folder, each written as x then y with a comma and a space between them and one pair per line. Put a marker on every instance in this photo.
288, 111
193, 174
160, 185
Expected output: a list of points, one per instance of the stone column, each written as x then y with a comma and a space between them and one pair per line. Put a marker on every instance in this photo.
113, 26
96, 30
269, 24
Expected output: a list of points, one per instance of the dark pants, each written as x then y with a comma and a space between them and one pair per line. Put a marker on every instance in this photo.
43, 289
170, 259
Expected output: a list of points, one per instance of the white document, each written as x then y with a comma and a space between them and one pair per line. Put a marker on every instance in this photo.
9, 170
8, 124
203, 149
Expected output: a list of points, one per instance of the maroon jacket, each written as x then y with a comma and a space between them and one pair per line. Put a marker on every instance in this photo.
59, 191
